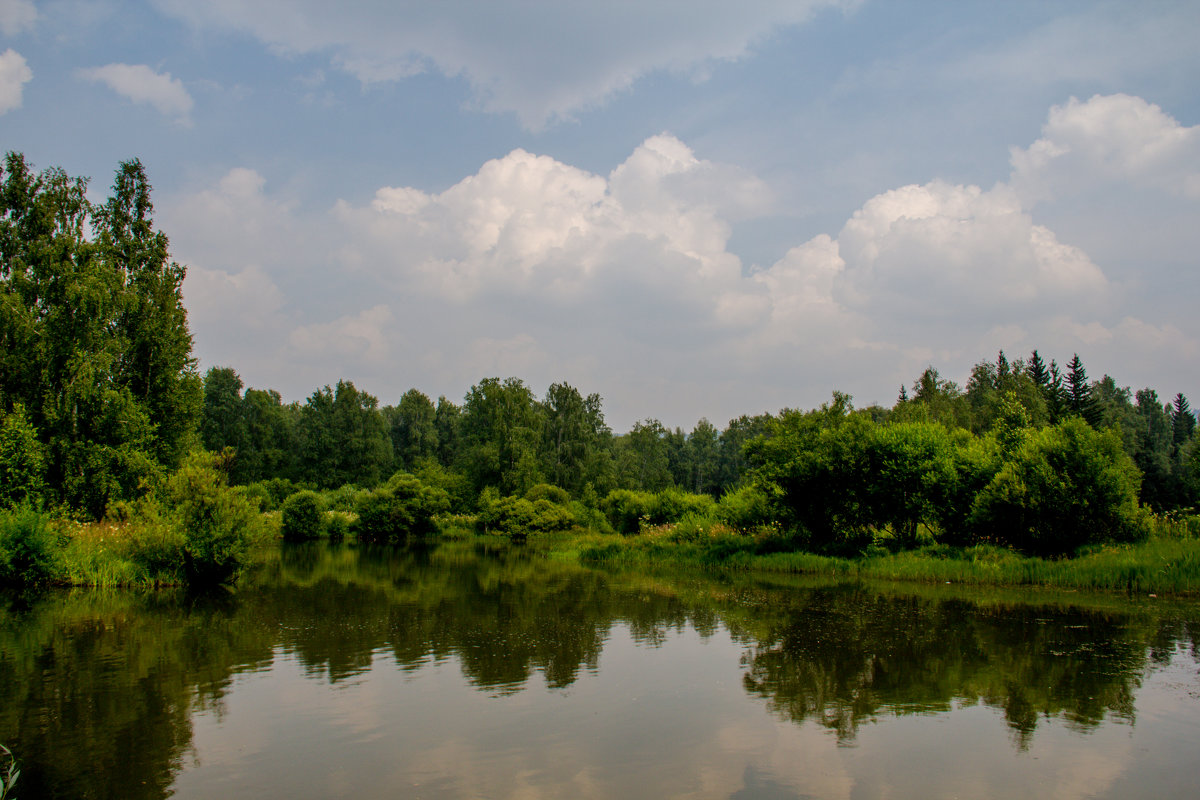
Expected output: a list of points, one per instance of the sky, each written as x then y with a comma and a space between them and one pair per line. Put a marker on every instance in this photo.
694, 209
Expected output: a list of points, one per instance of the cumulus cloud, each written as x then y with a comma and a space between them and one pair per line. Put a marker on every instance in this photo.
541, 60
141, 84
16, 16
625, 282
14, 74
1106, 140
533, 226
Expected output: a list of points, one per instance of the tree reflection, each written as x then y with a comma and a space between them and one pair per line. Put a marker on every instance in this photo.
98, 689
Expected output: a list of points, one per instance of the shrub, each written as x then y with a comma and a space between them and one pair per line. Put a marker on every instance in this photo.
1064, 487
152, 540
28, 556
546, 491
517, 517
303, 516
402, 508
336, 526
257, 495
22, 460
278, 489
626, 509
746, 509
342, 498
218, 524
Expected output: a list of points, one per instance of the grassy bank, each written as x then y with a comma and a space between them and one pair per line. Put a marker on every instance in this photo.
1167, 563
147, 552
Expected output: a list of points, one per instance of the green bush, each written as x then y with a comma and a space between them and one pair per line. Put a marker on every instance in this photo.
628, 510
1064, 487
546, 491
28, 555
746, 509
402, 508
278, 490
153, 541
336, 526
517, 517
218, 524
303, 517
342, 498
22, 460
257, 495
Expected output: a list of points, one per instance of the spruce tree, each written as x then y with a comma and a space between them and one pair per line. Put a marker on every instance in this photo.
1183, 422
1080, 400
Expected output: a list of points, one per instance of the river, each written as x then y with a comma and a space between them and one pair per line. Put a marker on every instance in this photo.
338, 671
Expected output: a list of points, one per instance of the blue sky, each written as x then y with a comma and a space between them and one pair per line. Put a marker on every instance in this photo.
692, 208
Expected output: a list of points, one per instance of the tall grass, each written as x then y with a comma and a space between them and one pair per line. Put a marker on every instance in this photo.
8, 773
1168, 562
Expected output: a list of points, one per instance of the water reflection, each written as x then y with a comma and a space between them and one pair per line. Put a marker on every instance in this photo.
112, 694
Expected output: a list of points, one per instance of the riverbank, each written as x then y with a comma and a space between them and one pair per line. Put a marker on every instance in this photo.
140, 554
1166, 563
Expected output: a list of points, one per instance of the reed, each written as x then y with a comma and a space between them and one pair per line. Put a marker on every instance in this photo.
8, 773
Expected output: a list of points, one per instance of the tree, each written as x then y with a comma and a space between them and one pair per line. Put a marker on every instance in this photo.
704, 444
222, 421
1183, 421
642, 458
575, 438
447, 421
93, 335
501, 429
343, 438
413, 429
1080, 401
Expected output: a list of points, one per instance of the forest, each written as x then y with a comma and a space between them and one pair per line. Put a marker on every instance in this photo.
105, 420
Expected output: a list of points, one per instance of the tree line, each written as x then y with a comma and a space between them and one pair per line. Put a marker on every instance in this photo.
101, 401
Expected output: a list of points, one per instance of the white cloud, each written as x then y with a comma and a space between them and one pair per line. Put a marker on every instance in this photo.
541, 60
1107, 140
16, 16
140, 84
14, 74
531, 225
625, 283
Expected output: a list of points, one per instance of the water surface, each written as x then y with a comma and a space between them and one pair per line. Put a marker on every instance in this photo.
370, 673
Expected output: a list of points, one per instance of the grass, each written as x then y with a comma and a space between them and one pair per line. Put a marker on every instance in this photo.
146, 552
1166, 563
8, 773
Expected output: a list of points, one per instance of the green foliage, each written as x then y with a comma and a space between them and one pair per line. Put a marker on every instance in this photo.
343, 438
546, 491
336, 526
28, 554
22, 460
575, 439
501, 428
629, 510
218, 523
1066, 486
403, 508
518, 517
412, 428
746, 509
93, 335
302, 517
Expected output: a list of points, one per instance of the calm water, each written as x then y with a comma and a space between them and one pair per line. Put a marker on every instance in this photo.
359, 673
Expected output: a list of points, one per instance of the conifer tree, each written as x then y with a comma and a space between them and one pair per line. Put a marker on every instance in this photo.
1183, 422
1080, 401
